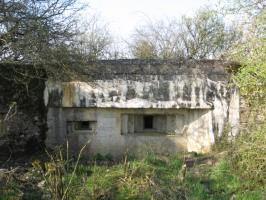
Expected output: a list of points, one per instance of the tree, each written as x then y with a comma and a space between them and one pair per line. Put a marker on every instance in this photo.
144, 50
38, 33
251, 8
203, 36
96, 41
250, 52
157, 40
206, 35
28, 27
49, 38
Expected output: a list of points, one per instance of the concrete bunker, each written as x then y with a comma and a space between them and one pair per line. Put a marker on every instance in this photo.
163, 106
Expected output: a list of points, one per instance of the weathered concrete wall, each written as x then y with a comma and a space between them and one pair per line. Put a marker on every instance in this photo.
182, 92
196, 90
108, 138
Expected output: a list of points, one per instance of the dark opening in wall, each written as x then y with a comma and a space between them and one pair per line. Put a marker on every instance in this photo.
83, 125
148, 122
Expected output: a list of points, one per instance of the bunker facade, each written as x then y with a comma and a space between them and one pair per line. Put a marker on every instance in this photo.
163, 106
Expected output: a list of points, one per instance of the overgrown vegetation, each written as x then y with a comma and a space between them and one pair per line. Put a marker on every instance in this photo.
248, 153
182, 176
205, 35
235, 170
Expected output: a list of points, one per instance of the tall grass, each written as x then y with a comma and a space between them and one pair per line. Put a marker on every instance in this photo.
56, 173
152, 177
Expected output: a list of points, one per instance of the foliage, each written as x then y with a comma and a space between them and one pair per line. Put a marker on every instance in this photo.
44, 38
247, 155
150, 177
23, 112
143, 49
251, 53
203, 36
247, 7
56, 174
206, 35
156, 40
95, 43
32, 31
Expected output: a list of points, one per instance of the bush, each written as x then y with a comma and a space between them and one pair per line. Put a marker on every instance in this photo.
248, 156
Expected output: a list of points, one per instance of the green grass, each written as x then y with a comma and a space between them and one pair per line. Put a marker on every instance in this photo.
219, 182
122, 181
154, 177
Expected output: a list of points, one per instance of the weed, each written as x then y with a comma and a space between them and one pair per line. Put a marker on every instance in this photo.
55, 173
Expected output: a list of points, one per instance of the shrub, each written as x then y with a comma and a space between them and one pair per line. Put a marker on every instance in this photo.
248, 156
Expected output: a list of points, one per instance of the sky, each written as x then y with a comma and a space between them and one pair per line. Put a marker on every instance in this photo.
122, 16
